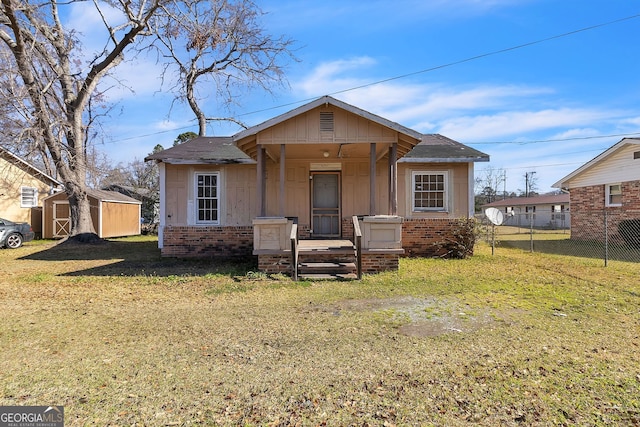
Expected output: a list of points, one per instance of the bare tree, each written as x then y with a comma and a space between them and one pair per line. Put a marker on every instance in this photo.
57, 86
60, 87
220, 42
488, 184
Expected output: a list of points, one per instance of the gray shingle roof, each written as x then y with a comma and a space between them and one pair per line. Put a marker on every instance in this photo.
439, 148
204, 150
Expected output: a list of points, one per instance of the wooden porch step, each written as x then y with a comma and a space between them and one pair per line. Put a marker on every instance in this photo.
327, 270
324, 266
318, 276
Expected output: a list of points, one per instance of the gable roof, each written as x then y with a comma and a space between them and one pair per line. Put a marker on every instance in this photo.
439, 148
203, 150
545, 199
597, 160
28, 167
223, 150
326, 100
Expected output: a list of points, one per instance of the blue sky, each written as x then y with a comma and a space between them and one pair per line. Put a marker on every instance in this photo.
543, 108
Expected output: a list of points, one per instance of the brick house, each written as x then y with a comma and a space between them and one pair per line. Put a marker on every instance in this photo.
606, 187
315, 180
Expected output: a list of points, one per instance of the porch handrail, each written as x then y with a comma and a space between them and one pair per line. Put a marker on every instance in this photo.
293, 236
357, 237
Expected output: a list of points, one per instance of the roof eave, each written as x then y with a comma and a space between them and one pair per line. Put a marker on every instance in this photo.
208, 162
443, 159
600, 157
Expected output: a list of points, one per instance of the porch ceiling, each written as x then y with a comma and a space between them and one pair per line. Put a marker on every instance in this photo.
334, 150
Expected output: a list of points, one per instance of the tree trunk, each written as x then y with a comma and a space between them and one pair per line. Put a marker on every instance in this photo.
82, 229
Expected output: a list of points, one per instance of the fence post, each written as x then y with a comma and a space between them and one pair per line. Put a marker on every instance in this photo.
606, 238
531, 231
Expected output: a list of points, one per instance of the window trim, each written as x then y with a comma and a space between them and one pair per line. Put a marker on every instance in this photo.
607, 197
218, 198
33, 197
445, 196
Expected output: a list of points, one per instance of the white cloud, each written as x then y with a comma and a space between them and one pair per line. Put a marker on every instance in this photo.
509, 123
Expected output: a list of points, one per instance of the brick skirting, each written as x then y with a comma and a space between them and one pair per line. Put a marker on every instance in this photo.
206, 242
420, 237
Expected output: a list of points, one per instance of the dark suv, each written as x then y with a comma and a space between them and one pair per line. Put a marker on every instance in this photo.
13, 234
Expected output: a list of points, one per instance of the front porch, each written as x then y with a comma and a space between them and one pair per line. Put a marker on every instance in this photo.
375, 246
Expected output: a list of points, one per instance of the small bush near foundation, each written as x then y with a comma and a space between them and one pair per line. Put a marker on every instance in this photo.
629, 229
462, 242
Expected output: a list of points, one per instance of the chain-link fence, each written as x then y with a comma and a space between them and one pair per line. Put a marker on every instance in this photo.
607, 235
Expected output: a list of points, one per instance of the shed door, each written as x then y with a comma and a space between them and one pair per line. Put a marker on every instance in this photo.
325, 204
61, 219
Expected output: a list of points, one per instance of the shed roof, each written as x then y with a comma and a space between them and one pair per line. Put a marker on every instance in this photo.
103, 196
439, 148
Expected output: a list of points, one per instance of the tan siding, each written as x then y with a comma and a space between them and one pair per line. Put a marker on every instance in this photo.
458, 189
348, 128
177, 192
47, 214
240, 195
120, 219
619, 167
238, 184
11, 179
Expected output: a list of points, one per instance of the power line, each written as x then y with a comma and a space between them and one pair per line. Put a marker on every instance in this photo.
537, 141
426, 70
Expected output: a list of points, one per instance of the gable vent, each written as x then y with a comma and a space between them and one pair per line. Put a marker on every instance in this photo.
326, 121
636, 155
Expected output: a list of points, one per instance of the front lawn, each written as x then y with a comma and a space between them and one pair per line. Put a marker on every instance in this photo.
120, 336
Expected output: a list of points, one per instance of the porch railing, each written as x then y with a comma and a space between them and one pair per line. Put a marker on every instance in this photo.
293, 237
357, 239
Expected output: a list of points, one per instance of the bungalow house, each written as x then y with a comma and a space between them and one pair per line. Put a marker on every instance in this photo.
546, 211
605, 192
22, 188
313, 183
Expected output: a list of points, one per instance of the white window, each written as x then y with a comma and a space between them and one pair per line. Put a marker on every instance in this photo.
28, 197
613, 194
207, 194
557, 212
429, 191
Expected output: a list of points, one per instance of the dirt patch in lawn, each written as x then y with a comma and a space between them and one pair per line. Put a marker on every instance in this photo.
423, 317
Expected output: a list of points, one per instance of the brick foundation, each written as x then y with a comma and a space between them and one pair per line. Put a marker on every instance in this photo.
206, 242
274, 264
377, 263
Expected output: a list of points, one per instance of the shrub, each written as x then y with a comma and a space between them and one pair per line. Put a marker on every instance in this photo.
629, 229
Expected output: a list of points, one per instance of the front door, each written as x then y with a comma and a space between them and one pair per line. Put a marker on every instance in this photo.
325, 204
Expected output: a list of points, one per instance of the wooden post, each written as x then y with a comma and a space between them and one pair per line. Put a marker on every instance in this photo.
372, 179
282, 179
393, 179
261, 178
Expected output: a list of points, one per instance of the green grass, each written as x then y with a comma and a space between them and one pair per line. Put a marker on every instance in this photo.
120, 336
